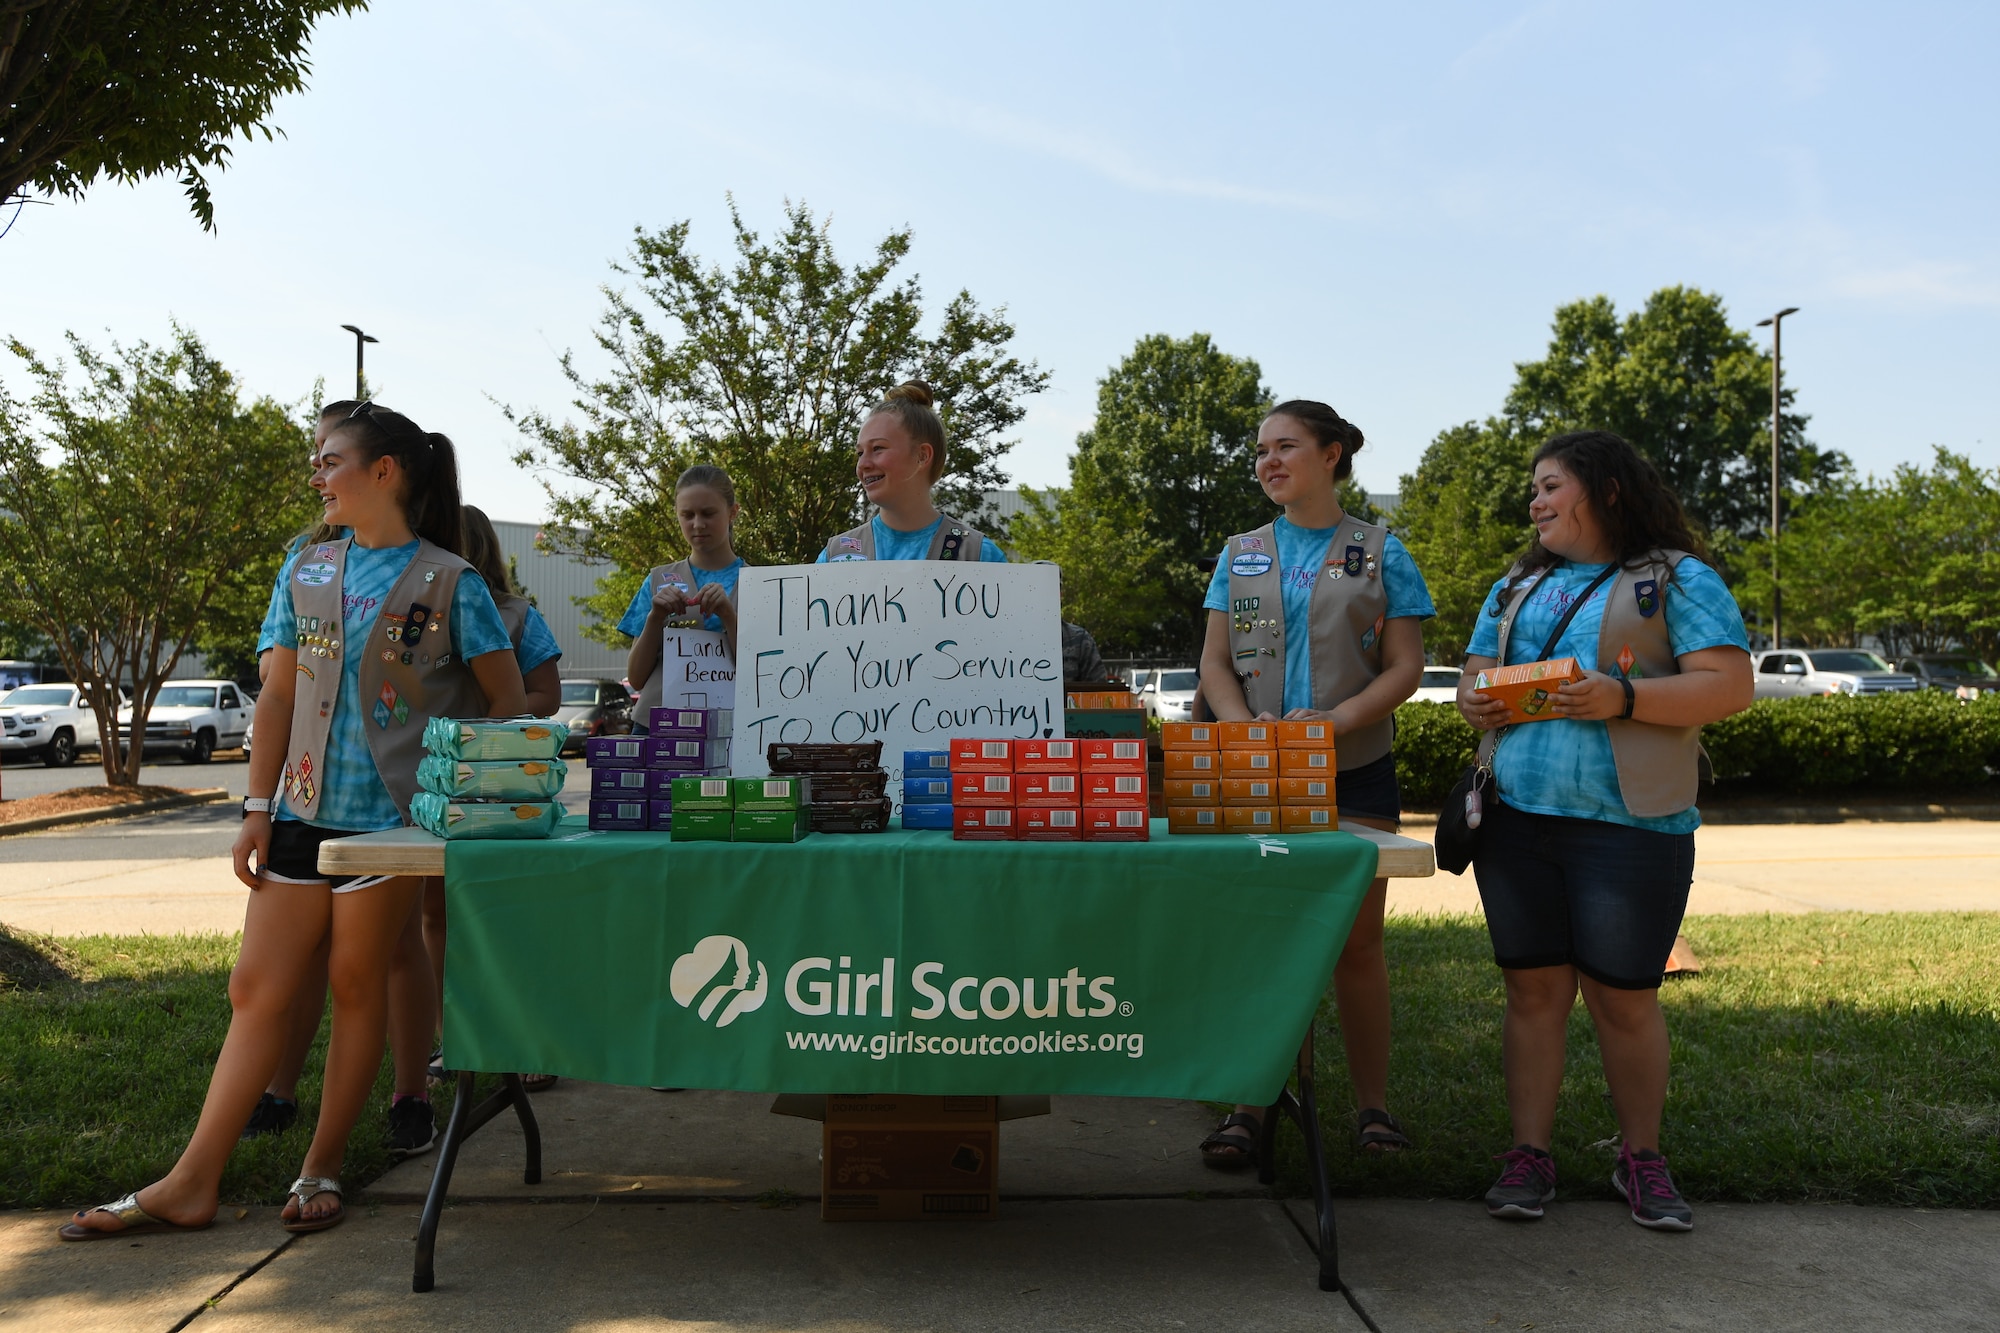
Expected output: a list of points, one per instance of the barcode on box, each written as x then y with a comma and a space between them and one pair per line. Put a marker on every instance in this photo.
997, 782
1260, 789
631, 810
1129, 786
994, 750
1061, 782
1260, 816
625, 749
1062, 819
998, 818
1126, 749
1260, 760
1131, 818
716, 787
1060, 749
1315, 788
775, 790
1206, 816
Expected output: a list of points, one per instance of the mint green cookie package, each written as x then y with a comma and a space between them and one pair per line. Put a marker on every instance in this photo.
492, 780
485, 819
487, 739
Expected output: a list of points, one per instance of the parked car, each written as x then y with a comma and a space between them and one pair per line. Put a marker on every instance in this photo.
1438, 684
1792, 672
193, 718
15, 673
594, 708
1961, 673
50, 722
1169, 695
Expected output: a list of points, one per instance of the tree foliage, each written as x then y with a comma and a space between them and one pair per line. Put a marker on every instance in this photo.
767, 370
1913, 559
1161, 479
1690, 392
130, 505
110, 88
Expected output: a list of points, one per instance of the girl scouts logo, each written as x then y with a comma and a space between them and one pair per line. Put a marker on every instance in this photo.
706, 963
1250, 565
1647, 592
315, 575
1352, 562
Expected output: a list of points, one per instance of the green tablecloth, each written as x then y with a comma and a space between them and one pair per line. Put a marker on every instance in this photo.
1181, 967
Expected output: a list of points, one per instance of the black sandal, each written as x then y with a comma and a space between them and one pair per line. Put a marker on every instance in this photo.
1241, 1152
1381, 1132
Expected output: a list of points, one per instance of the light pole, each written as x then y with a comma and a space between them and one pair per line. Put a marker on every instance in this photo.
1776, 324
360, 338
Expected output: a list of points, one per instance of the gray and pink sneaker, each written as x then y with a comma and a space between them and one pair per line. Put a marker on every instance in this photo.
1527, 1181
1644, 1182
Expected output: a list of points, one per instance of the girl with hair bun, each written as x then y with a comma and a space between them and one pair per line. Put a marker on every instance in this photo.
898, 456
1318, 615
1585, 852
705, 581
382, 629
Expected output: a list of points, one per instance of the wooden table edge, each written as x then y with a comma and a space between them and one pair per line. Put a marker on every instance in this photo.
411, 851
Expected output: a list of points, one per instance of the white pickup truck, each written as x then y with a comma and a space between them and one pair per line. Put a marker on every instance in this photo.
1800, 671
49, 721
193, 718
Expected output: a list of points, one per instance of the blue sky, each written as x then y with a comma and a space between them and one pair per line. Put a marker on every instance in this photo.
1381, 204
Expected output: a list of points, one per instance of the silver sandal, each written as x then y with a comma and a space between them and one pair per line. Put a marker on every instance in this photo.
137, 1222
307, 1188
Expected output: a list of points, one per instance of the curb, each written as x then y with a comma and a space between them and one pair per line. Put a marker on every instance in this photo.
104, 814
1832, 813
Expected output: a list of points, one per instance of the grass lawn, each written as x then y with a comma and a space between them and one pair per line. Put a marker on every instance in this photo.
1849, 1057
102, 1074
1834, 1057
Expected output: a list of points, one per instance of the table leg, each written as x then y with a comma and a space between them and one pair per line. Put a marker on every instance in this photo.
466, 1120
1302, 1108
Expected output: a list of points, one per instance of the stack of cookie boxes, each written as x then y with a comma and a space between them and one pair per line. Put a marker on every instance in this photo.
1048, 790
490, 778
1249, 777
631, 777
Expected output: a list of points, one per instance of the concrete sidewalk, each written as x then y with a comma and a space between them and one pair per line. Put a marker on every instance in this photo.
693, 1211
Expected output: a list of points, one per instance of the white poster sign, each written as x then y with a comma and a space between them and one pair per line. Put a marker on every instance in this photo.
907, 652
695, 670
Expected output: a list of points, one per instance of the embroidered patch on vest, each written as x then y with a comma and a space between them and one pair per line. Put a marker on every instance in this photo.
1250, 566
419, 613
1373, 633
1647, 592
315, 575
305, 671
1253, 543
850, 543
390, 705
323, 553
1625, 660
1352, 561
836, 559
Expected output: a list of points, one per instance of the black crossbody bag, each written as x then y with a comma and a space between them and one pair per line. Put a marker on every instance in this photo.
1457, 840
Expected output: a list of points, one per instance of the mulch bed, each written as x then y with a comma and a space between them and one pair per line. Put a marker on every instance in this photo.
81, 798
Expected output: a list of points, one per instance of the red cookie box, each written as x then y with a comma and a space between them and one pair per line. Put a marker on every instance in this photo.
984, 823
972, 754
983, 789
1051, 824
1103, 823
1111, 755
1123, 790
1048, 756
1048, 790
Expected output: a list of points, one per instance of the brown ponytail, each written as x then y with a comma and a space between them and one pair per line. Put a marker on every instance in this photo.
1326, 426
430, 470
910, 403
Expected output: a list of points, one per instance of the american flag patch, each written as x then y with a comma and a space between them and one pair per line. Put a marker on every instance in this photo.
1253, 543
850, 543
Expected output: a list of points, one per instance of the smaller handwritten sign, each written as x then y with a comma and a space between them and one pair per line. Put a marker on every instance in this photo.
695, 670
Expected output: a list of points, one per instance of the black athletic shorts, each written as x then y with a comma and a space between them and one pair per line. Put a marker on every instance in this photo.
295, 857
1370, 790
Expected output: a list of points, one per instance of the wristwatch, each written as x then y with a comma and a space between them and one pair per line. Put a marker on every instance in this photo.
257, 805
1630, 697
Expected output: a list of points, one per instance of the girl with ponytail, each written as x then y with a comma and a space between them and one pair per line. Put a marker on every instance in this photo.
898, 458
382, 629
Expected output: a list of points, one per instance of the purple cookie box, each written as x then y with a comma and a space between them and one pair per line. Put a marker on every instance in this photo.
619, 815
685, 753
615, 751
682, 723
662, 817
630, 783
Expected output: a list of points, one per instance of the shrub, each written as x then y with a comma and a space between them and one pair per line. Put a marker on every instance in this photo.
1885, 742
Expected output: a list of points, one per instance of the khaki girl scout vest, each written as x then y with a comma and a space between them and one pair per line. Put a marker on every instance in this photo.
514, 615
955, 539
1348, 610
409, 672
1659, 768
681, 575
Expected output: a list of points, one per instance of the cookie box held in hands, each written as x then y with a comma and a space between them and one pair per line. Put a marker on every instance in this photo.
1529, 688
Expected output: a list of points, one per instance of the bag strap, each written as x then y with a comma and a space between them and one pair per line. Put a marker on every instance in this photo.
1491, 741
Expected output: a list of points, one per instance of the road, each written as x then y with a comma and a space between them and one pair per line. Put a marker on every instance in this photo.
23, 778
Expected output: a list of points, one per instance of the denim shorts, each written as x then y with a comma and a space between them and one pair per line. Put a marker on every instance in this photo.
1370, 789
1604, 898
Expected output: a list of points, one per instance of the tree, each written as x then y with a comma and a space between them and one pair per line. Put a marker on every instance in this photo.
127, 503
1913, 560
1158, 483
767, 370
1690, 393
92, 88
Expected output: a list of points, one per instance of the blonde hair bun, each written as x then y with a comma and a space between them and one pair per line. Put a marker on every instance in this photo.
911, 391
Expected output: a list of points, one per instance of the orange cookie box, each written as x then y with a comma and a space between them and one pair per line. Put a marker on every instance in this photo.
1527, 688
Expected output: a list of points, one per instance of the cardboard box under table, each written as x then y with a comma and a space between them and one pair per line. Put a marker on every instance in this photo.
905, 962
